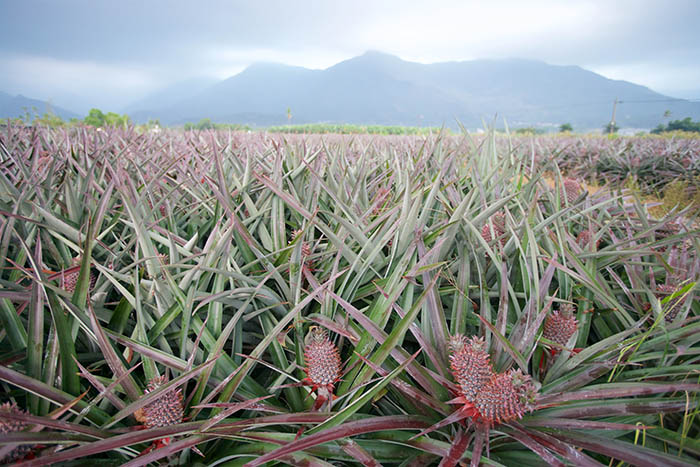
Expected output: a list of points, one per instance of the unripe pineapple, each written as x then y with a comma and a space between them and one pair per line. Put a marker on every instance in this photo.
322, 360
166, 410
506, 397
12, 426
305, 253
570, 190
674, 305
470, 364
561, 325
498, 223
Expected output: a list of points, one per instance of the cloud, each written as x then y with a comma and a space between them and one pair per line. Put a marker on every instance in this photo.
127, 46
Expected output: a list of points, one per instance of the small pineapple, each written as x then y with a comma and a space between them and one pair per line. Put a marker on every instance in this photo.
570, 190
506, 397
498, 223
674, 305
12, 426
167, 410
305, 253
560, 325
322, 360
585, 238
69, 277
470, 364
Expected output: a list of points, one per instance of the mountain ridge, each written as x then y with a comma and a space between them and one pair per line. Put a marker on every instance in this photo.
379, 88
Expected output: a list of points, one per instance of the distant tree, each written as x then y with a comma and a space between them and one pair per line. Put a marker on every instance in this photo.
97, 118
49, 119
204, 124
564, 127
529, 130
678, 125
610, 128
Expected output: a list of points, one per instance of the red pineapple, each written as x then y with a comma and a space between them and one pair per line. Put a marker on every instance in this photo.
69, 277
506, 397
470, 364
167, 409
560, 326
322, 365
570, 190
498, 223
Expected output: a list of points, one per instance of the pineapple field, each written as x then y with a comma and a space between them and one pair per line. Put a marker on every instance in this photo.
233, 298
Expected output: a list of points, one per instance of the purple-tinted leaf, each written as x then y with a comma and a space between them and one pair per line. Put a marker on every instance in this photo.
573, 455
113, 360
605, 408
165, 451
50, 393
457, 449
481, 436
634, 454
545, 454
358, 453
150, 352
573, 424
634, 389
359, 427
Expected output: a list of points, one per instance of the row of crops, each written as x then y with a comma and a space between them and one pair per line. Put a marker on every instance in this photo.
226, 298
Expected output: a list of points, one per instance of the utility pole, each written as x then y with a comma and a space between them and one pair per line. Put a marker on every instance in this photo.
611, 126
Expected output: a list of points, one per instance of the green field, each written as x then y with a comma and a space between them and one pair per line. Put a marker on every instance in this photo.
180, 296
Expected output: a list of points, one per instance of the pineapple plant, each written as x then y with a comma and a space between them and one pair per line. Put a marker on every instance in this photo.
406, 289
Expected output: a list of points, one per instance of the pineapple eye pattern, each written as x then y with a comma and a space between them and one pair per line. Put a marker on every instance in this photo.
322, 365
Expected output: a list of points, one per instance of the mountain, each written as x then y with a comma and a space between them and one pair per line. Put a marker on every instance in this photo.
17, 106
377, 88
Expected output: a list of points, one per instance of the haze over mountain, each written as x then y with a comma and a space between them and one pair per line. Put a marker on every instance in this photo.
377, 88
17, 106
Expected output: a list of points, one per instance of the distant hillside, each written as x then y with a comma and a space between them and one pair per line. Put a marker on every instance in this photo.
17, 106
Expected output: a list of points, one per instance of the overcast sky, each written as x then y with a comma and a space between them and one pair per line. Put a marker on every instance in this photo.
108, 53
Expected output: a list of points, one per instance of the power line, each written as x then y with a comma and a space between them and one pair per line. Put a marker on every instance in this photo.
648, 101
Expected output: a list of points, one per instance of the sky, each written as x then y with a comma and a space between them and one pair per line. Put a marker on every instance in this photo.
97, 53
